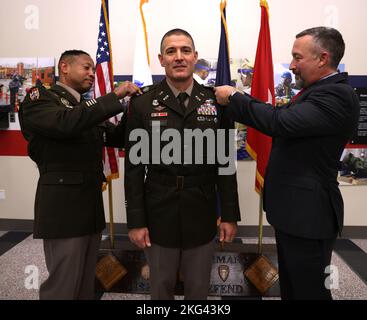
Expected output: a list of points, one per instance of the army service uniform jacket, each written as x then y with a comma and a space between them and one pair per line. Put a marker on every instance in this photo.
301, 194
177, 202
65, 139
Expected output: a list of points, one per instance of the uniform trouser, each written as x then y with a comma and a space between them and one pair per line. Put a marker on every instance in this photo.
71, 263
13, 95
194, 264
302, 264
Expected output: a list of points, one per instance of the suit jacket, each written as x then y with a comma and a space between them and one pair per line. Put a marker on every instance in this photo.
179, 218
65, 139
301, 194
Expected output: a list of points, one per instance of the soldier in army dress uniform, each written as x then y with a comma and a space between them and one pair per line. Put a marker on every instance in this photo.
65, 135
171, 208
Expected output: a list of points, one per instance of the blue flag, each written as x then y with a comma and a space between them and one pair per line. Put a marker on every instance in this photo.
223, 75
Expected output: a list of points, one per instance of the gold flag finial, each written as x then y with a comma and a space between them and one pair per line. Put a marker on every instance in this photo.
142, 2
264, 3
223, 4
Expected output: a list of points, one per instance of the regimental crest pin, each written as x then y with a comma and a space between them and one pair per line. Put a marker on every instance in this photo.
66, 103
223, 272
34, 94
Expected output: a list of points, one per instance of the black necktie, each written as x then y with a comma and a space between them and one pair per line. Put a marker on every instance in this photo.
182, 96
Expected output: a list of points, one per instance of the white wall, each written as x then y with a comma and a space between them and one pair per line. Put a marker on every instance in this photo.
18, 177
67, 24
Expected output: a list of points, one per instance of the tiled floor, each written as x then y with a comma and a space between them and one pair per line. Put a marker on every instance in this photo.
20, 263
362, 243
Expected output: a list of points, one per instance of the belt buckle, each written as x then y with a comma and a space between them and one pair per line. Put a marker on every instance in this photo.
179, 182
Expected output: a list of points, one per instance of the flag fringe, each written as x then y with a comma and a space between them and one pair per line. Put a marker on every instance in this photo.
264, 3
142, 2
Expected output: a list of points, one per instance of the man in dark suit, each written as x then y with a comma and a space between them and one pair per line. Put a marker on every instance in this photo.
171, 207
65, 135
301, 195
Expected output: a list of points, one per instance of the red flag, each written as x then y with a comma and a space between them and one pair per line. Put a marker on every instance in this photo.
103, 84
262, 88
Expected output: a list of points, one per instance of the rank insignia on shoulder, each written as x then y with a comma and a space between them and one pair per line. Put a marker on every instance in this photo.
34, 94
146, 88
211, 88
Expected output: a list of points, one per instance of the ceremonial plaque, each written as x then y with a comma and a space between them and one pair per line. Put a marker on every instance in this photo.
109, 271
262, 274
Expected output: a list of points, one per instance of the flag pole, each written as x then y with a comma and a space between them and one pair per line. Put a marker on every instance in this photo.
260, 236
110, 207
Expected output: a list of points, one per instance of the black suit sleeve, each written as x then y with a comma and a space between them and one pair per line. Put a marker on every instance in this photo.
227, 183
47, 116
115, 134
134, 173
324, 111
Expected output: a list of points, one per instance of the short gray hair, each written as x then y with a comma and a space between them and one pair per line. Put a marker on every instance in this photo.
328, 39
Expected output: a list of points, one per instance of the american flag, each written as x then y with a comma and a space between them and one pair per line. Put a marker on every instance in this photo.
103, 84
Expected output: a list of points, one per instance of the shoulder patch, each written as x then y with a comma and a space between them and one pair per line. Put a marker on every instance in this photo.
34, 94
144, 90
206, 86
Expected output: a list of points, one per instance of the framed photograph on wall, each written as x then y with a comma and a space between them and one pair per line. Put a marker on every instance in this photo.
18, 75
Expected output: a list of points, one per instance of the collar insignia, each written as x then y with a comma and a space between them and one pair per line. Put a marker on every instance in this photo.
66, 103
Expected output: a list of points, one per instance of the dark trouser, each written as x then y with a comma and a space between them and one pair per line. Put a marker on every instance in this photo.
302, 264
13, 95
195, 265
71, 263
